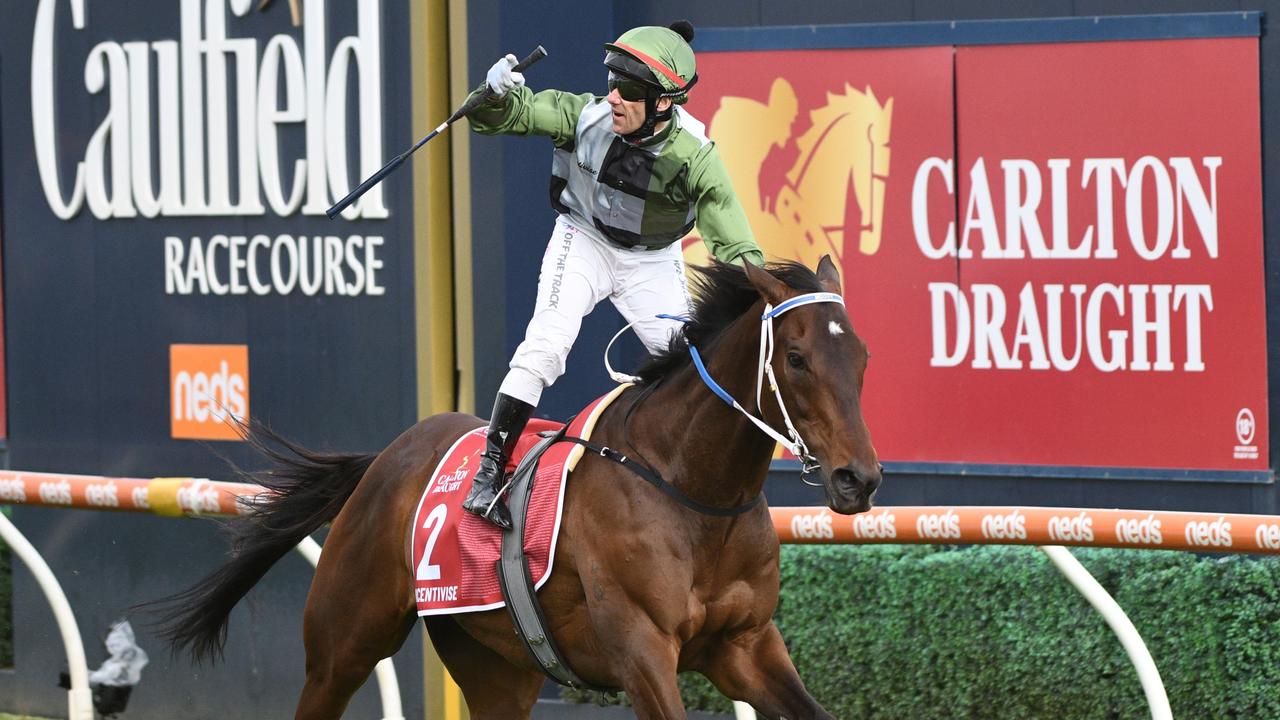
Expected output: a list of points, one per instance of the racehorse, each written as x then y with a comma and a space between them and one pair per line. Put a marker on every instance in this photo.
643, 586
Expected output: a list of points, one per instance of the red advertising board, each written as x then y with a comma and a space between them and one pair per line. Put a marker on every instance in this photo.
1053, 251
4, 400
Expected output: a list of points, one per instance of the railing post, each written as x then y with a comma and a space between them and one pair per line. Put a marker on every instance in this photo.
1111, 611
79, 699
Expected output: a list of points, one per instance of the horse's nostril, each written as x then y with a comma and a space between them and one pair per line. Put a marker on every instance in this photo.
853, 478
870, 479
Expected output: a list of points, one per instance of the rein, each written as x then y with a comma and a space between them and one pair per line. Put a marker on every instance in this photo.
657, 481
792, 441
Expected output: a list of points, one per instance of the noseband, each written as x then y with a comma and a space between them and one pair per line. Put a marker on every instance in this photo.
792, 441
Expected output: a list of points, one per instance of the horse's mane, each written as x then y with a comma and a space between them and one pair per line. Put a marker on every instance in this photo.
722, 293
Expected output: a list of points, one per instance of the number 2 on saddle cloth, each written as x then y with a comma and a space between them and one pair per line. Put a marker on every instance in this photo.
454, 551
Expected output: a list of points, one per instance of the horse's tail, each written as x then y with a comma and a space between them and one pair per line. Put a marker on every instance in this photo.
305, 490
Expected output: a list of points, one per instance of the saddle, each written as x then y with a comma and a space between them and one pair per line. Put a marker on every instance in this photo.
465, 564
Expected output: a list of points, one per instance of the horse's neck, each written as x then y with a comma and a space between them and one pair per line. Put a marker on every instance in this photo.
708, 449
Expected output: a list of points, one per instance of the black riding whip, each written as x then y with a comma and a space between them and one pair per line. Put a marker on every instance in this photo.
533, 57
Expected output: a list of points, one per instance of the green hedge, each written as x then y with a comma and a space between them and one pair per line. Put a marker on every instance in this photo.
996, 632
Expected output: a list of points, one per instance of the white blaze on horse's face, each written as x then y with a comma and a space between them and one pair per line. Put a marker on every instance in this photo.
821, 363
827, 389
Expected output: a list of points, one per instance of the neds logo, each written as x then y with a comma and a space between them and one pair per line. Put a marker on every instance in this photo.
812, 527
208, 383
1139, 532
1267, 536
200, 497
1216, 533
102, 494
939, 527
875, 526
1069, 528
14, 491
55, 493
1005, 527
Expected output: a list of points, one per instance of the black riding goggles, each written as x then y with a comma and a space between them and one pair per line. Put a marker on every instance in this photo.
631, 89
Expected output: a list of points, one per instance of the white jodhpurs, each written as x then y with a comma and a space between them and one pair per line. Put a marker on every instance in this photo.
579, 270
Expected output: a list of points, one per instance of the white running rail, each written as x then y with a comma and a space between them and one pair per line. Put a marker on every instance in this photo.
1110, 610
79, 698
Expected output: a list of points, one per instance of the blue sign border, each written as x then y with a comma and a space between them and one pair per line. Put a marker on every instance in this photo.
983, 32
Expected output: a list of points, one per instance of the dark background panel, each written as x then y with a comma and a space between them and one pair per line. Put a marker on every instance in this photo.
817, 12
108, 562
86, 303
1001, 9
702, 13
87, 337
1144, 7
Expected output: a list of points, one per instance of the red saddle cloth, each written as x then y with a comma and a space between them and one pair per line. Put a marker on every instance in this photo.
454, 551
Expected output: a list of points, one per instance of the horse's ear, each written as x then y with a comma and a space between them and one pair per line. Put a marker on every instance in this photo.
772, 289
828, 275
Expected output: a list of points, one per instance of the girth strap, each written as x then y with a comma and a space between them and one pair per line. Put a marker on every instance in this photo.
657, 481
513, 567
517, 583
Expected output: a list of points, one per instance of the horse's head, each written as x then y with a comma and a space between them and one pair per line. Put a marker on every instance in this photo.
820, 362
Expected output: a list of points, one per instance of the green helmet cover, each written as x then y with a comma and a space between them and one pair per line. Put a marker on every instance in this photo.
664, 52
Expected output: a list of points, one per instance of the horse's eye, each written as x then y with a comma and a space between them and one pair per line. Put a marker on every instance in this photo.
795, 360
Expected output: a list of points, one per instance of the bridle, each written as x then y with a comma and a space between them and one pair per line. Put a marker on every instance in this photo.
792, 441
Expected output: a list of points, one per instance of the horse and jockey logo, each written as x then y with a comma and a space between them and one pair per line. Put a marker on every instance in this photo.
816, 193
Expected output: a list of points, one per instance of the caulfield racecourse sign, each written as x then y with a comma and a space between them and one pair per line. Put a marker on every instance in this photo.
193, 127
171, 161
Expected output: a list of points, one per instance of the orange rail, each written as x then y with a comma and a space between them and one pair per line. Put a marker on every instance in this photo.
164, 496
1222, 532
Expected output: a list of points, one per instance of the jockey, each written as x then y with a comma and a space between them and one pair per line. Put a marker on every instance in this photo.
631, 174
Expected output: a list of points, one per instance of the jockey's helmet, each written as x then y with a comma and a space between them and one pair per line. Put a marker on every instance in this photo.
660, 60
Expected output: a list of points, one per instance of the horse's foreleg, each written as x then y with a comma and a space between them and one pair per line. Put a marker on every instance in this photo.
647, 671
756, 668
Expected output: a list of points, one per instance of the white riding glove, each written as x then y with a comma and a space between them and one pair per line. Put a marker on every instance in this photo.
500, 78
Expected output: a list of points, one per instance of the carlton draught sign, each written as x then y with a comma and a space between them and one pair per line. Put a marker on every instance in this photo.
1054, 251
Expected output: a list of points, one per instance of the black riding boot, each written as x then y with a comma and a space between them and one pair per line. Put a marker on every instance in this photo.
509, 418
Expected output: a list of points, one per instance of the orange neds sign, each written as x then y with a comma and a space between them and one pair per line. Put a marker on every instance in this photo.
208, 383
